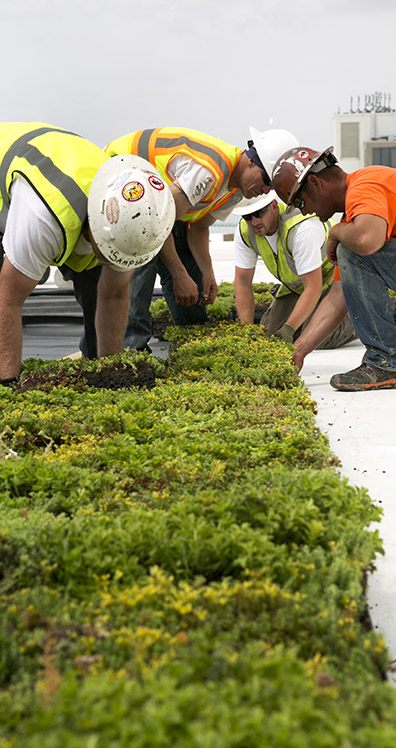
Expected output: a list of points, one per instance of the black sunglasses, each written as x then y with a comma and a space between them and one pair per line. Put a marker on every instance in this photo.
328, 160
266, 178
299, 201
256, 214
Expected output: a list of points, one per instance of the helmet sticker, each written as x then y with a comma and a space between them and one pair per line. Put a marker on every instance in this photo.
113, 210
303, 154
298, 167
156, 182
132, 191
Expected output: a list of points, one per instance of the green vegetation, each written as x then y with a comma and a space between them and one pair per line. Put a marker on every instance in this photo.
183, 565
223, 307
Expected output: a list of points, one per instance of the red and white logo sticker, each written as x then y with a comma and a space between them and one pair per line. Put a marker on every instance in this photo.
156, 182
113, 210
132, 191
303, 154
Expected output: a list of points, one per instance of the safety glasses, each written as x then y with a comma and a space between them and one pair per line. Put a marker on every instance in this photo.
256, 214
299, 201
253, 155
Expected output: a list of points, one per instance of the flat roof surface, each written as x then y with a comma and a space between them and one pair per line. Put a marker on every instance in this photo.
362, 434
51, 340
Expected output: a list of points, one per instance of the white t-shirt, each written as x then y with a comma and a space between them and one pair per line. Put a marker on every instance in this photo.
196, 181
304, 242
33, 237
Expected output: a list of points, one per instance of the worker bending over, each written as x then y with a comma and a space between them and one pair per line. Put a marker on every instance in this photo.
293, 248
65, 202
363, 245
207, 178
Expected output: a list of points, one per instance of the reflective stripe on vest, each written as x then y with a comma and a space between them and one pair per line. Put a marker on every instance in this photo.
60, 169
160, 145
282, 265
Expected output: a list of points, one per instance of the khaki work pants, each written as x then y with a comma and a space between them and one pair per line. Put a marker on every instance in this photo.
281, 308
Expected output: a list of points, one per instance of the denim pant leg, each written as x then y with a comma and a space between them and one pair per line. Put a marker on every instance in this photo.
85, 290
182, 315
139, 328
365, 282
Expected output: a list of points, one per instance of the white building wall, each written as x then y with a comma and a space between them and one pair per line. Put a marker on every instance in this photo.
373, 127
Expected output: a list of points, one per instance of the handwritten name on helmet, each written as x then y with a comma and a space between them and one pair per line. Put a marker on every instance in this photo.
131, 211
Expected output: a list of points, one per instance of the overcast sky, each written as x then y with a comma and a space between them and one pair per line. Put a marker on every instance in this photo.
103, 69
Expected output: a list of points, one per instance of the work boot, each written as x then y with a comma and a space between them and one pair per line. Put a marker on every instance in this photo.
365, 377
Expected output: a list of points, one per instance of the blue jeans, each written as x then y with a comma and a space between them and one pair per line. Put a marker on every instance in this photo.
365, 282
138, 331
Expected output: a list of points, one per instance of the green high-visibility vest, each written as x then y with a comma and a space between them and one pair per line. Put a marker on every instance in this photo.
282, 265
60, 166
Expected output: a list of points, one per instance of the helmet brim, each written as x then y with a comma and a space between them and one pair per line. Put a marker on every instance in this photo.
250, 205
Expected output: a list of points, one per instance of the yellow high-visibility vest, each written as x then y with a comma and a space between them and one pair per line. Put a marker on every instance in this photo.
60, 166
282, 265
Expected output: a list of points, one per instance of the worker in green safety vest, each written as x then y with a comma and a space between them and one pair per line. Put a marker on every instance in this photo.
293, 248
65, 202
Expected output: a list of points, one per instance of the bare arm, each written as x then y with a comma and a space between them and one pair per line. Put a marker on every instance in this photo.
244, 297
364, 235
15, 287
182, 202
312, 282
327, 317
112, 310
198, 241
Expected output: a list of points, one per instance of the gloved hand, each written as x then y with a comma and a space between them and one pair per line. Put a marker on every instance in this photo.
8, 382
286, 333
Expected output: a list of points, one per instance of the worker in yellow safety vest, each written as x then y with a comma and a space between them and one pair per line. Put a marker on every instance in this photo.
293, 248
207, 178
65, 202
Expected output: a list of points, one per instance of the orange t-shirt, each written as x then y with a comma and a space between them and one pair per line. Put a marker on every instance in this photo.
371, 190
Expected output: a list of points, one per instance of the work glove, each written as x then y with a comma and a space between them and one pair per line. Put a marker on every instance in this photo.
286, 333
8, 382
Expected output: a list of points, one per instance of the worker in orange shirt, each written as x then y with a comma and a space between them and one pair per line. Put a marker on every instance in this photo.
363, 245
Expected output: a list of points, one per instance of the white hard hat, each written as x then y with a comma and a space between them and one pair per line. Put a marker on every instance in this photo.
271, 144
251, 204
131, 211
